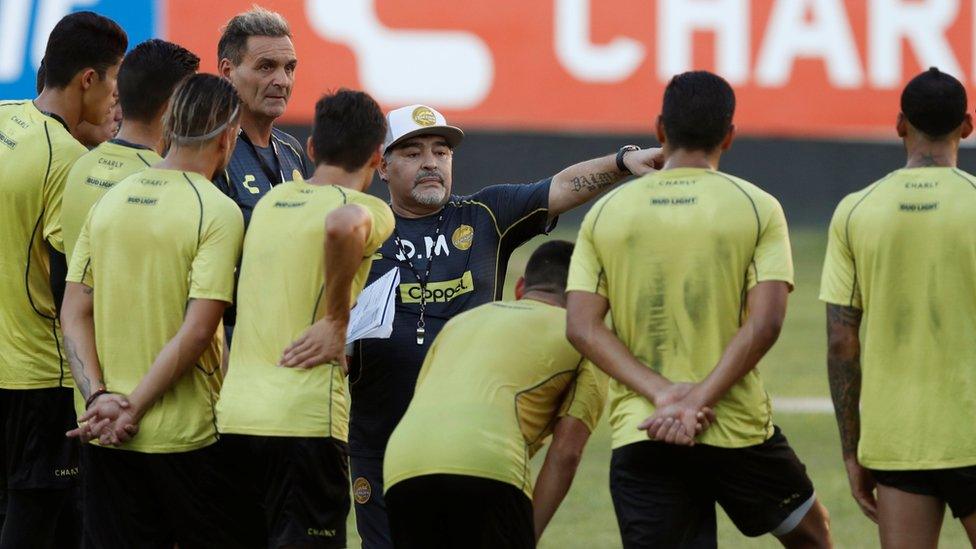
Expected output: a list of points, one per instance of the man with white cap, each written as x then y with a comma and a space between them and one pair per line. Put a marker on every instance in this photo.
452, 252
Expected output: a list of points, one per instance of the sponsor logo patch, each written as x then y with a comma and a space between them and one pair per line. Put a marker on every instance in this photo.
463, 237
361, 490
438, 292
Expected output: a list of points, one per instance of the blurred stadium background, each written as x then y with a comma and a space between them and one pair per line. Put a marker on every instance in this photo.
538, 85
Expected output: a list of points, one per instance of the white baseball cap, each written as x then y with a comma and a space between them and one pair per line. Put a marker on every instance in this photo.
406, 122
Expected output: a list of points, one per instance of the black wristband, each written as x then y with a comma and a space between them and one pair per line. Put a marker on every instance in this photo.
620, 158
93, 396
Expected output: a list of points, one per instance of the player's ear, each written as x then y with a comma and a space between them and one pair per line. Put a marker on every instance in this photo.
729, 138
89, 77
375, 159
382, 167
224, 67
901, 125
967, 126
310, 149
659, 130
520, 287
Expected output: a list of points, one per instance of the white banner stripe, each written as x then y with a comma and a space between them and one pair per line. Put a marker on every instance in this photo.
803, 405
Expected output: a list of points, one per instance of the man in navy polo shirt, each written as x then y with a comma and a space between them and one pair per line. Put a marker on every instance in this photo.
452, 252
256, 54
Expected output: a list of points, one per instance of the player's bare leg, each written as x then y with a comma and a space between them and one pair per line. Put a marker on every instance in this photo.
969, 523
909, 521
813, 532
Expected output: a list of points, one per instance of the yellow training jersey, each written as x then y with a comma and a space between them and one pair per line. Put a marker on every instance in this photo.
904, 251
153, 242
93, 174
36, 152
491, 388
280, 296
675, 253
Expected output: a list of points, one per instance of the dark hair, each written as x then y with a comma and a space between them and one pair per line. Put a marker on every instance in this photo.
548, 267
203, 105
80, 41
41, 73
697, 111
349, 127
149, 74
934, 102
256, 22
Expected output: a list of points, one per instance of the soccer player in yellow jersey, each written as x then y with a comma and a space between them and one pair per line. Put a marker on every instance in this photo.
150, 276
308, 252
694, 267
901, 256
495, 383
36, 151
147, 78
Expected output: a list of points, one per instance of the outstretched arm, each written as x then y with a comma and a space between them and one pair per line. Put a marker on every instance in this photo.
844, 374
584, 181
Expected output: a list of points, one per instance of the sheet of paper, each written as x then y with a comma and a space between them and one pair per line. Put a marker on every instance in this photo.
372, 317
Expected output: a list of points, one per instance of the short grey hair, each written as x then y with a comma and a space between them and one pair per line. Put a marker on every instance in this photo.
255, 22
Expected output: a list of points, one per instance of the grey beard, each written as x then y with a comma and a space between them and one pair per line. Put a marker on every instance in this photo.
429, 197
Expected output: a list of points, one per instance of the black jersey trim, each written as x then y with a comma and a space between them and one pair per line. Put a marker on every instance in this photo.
847, 232
526, 465
144, 161
743, 294
963, 175
199, 201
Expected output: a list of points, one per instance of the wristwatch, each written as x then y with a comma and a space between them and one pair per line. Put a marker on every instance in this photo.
620, 158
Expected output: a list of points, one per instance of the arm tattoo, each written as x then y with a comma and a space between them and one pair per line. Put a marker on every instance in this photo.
77, 367
844, 372
594, 182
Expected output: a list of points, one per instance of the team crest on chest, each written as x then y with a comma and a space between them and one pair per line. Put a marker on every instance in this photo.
463, 237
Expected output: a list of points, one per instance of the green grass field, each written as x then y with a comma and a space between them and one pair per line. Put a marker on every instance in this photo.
796, 367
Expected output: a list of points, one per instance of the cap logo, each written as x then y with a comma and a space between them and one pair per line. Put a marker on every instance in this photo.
423, 116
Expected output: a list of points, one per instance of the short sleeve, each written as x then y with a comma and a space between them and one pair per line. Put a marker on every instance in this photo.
773, 258
382, 226
212, 271
61, 164
586, 273
587, 397
80, 269
838, 284
519, 211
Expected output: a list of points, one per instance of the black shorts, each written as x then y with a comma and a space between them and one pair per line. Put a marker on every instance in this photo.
135, 499
36, 452
956, 487
449, 511
665, 495
302, 483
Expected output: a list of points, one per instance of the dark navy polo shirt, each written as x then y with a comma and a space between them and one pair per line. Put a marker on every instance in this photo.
470, 258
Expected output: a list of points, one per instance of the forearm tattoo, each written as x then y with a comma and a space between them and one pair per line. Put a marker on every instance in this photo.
77, 367
844, 372
594, 182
